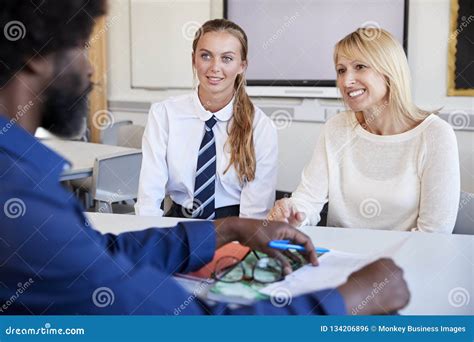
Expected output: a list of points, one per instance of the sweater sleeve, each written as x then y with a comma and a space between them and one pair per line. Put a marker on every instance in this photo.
312, 192
440, 181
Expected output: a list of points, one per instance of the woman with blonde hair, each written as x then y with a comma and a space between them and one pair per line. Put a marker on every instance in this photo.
212, 151
384, 163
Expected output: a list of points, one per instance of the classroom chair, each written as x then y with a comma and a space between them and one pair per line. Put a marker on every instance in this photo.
465, 220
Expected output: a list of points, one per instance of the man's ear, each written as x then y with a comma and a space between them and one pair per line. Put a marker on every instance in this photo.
40, 67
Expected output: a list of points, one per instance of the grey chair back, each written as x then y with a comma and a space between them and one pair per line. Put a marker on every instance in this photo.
130, 136
115, 177
110, 135
465, 220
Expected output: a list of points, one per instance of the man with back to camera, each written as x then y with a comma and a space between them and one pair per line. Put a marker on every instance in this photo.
45, 239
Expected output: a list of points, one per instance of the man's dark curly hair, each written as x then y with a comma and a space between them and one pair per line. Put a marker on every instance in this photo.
38, 27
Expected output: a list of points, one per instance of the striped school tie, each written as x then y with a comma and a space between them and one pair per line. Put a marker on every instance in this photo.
204, 188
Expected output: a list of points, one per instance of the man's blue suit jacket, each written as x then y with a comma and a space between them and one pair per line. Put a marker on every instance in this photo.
53, 262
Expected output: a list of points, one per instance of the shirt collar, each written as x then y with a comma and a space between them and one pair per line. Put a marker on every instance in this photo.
222, 115
24, 148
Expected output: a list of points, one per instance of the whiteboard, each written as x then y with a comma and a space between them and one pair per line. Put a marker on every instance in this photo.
161, 38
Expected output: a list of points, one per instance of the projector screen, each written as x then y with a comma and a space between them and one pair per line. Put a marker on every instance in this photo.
291, 42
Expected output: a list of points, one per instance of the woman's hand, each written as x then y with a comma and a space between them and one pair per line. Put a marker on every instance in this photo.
284, 211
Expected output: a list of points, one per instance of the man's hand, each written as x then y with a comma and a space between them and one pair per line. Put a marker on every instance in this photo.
376, 289
284, 211
256, 234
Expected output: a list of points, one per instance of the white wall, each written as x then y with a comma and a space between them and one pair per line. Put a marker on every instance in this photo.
427, 55
119, 56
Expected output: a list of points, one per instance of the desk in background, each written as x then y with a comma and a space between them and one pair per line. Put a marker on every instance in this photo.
439, 268
81, 155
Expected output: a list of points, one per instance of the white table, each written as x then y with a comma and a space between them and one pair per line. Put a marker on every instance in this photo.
81, 155
434, 265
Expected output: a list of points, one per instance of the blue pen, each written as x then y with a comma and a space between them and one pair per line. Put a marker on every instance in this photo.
285, 245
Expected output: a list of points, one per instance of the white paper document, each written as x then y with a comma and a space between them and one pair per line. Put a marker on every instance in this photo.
333, 270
